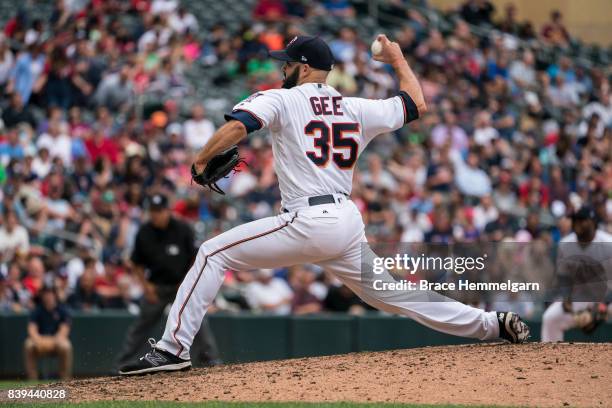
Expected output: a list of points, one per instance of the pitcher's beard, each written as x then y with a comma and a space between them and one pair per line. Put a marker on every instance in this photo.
292, 80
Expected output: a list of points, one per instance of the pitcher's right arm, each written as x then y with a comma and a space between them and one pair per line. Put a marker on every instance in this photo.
392, 54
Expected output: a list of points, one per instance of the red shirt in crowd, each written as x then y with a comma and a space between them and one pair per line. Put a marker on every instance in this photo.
33, 285
526, 188
102, 146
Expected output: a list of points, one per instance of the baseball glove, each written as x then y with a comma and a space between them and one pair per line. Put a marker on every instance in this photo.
589, 319
216, 169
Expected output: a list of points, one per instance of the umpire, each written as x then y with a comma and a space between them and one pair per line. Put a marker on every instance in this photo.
163, 253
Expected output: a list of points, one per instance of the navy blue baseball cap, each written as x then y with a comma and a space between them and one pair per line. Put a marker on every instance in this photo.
307, 50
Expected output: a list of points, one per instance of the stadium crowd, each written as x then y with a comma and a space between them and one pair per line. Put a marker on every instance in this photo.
512, 143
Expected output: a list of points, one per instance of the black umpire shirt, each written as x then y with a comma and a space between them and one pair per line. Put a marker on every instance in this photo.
166, 253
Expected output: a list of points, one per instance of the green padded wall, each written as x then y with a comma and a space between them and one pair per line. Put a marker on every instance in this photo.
97, 338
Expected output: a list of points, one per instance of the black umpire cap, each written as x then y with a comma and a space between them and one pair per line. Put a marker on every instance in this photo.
307, 50
158, 202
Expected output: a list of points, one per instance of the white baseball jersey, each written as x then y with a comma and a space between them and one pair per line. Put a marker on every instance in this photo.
317, 134
598, 250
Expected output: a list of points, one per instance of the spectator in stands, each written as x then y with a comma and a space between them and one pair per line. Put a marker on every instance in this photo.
48, 332
6, 60
497, 67
342, 80
554, 32
450, 132
470, 179
85, 297
270, 10
102, 149
57, 142
272, 38
17, 112
297, 8
55, 82
11, 149
533, 225
442, 231
339, 8
42, 163
503, 227
109, 287
183, 21
28, 67
14, 238
34, 33
485, 212
58, 277
509, 23
164, 250
477, 12
305, 297
35, 277
59, 210
343, 47
198, 130
16, 26
164, 6
18, 297
562, 94
269, 294
504, 116
115, 91
484, 133
377, 176
522, 71
61, 14
341, 299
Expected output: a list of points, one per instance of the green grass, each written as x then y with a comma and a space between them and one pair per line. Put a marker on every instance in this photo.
221, 404
8, 384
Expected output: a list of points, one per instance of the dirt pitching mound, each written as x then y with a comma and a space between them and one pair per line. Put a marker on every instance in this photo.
530, 374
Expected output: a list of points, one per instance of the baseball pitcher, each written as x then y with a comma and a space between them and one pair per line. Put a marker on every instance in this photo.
317, 136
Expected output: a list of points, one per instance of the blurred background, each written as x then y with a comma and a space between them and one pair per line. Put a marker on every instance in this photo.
104, 103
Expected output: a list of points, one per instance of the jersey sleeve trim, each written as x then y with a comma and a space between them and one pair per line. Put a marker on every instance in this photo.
410, 109
251, 121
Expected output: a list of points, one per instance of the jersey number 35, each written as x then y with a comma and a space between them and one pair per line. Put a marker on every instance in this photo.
344, 159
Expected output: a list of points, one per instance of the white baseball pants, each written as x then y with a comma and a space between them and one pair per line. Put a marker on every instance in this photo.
330, 235
556, 321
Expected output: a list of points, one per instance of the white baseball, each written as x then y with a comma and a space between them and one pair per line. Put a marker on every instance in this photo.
376, 47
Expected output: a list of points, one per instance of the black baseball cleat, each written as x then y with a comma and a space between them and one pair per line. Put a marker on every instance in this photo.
154, 361
511, 328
